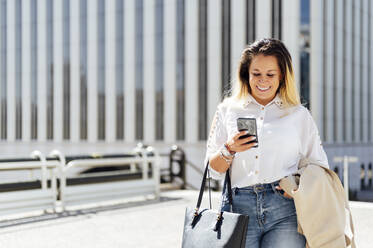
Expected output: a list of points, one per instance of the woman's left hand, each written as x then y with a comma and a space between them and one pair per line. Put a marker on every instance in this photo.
285, 194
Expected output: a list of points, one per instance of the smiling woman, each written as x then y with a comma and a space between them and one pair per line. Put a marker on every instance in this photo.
265, 95
266, 69
265, 78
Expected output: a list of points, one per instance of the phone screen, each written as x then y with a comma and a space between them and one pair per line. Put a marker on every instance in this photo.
248, 124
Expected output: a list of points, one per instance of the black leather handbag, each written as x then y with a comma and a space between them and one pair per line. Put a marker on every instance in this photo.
210, 228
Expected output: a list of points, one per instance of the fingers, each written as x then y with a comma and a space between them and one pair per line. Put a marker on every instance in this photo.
238, 145
245, 140
285, 194
244, 147
237, 136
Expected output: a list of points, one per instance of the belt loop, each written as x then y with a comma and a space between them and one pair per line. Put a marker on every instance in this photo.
235, 190
273, 187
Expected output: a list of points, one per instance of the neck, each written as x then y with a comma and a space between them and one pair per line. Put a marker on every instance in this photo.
264, 102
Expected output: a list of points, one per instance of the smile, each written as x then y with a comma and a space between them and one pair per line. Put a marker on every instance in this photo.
263, 89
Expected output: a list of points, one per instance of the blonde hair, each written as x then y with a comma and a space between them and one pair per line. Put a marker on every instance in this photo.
269, 47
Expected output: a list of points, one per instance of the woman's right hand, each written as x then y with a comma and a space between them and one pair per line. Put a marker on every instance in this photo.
238, 145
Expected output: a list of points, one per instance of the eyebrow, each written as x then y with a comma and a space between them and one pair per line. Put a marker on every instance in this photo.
267, 71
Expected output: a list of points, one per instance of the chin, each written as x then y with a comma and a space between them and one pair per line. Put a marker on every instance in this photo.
266, 95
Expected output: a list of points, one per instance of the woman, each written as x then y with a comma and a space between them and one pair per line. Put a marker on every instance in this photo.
265, 90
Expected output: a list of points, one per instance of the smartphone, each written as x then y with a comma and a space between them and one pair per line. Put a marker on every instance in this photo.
248, 124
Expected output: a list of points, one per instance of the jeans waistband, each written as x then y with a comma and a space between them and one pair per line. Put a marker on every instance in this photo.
259, 187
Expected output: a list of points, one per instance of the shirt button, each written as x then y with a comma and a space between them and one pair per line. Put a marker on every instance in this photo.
262, 108
256, 172
261, 118
256, 157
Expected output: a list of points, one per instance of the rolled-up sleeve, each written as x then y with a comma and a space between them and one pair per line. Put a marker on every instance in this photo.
217, 137
312, 146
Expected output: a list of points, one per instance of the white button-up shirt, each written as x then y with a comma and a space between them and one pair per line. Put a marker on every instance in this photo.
285, 135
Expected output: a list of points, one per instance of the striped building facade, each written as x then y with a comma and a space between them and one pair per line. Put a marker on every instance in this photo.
102, 75
341, 76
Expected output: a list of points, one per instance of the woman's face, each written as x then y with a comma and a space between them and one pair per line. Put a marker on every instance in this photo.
264, 78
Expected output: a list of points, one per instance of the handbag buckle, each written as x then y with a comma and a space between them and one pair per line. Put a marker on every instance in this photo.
218, 217
196, 211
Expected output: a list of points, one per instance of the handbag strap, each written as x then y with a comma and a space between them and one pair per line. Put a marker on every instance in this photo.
227, 186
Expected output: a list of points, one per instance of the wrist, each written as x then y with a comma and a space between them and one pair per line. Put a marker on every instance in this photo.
229, 149
225, 152
228, 160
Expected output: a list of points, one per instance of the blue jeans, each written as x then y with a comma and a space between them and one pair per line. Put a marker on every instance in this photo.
272, 216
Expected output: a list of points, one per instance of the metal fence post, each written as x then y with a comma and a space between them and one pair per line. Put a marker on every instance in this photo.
43, 160
62, 176
345, 160
178, 155
345, 175
370, 175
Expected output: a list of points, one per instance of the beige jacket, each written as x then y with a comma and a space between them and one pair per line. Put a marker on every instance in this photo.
323, 211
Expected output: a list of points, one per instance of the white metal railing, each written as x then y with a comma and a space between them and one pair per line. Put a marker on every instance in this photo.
80, 194
46, 197
33, 199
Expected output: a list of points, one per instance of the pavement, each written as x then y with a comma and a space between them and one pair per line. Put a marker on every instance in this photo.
136, 222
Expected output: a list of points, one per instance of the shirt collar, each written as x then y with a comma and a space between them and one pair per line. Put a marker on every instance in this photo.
250, 99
